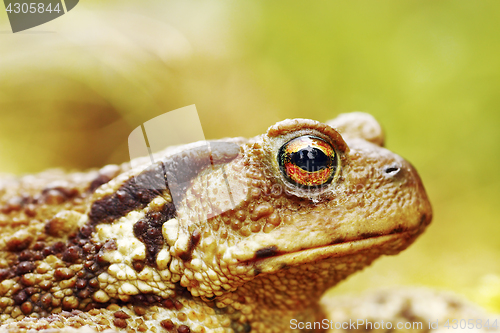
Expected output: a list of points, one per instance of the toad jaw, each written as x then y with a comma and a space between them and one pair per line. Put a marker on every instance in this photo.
278, 261
271, 258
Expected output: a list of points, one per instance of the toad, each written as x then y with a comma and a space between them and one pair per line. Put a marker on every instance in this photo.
236, 235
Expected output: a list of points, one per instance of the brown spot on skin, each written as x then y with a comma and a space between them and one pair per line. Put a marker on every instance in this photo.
186, 256
167, 324
266, 252
72, 254
138, 299
183, 329
195, 238
178, 305
87, 230
193, 241
119, 322
26, 308
81, 283
58, 247
138, 265
168, 303
149, 231
30, 291
46, 252
5, 274
105, 175
88, 264
120, 314
98, 181
46, 300
135, 193
140, 226
94, 283
20, 297
88, 248
152, 299
84, 294
139, 310
25, 267
26, 255
39, 246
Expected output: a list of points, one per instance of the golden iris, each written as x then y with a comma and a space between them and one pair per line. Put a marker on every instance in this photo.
308, 161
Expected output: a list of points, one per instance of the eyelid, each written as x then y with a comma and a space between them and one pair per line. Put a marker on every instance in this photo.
288, 127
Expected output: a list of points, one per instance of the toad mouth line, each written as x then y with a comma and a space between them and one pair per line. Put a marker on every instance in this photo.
277, 262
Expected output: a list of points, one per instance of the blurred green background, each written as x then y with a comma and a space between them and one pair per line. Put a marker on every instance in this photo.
72, 90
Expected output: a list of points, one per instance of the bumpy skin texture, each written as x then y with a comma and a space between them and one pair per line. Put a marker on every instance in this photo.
230, 245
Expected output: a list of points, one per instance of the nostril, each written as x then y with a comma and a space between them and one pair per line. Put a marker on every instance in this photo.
392, 170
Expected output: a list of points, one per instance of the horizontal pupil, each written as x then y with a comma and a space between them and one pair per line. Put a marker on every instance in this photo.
310, 159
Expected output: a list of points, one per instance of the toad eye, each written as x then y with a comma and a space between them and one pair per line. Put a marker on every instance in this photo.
308, 161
